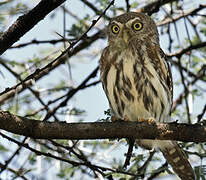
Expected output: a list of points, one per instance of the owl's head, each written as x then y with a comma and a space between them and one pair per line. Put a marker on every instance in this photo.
126, 27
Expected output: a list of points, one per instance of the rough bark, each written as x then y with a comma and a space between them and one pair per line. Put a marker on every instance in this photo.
26, 22
101, 130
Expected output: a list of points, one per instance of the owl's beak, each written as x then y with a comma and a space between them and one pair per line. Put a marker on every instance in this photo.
125, 36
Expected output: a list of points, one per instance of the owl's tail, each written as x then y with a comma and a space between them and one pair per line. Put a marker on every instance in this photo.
177, 159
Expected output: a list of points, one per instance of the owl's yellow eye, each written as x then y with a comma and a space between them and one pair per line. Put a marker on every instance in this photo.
115, 29
137, 26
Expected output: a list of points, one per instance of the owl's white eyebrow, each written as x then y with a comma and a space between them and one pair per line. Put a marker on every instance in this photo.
115, 22
137, 18
129, 22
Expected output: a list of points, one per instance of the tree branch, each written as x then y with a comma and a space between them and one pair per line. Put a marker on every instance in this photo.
37, 42
26, 22
191, 12
180, 53
10, 92
154, 6
39, 73
101, 130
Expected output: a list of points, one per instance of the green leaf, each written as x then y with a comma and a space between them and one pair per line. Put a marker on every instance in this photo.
3, 148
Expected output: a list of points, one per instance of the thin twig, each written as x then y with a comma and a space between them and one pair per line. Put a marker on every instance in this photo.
129, 152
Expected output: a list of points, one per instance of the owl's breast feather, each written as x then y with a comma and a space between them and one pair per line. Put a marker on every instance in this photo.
132, 86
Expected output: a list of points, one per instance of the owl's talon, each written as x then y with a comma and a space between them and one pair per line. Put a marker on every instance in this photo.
126, 118
150, 120
141, 120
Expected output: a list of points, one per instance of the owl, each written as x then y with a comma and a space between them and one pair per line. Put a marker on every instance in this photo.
137, 81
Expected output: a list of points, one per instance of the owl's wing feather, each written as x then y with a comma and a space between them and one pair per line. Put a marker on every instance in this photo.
170, 149
104, 68
178, 160
168, 74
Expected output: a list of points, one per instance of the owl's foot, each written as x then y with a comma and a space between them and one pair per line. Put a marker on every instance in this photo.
150, 120
126, 118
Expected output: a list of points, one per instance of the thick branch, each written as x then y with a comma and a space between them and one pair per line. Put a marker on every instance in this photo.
26, 22
101, 130
154, 6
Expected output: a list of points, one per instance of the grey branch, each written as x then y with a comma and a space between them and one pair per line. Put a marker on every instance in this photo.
101, 130
26, 22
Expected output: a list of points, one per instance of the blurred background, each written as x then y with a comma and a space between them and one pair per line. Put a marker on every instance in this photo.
182, 30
